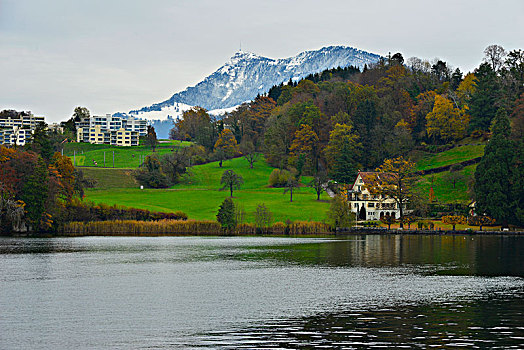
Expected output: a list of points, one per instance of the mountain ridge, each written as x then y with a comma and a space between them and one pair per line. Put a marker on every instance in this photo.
247, 74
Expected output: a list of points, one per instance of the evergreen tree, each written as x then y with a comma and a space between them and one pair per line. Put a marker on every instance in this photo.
40, 142
518, 185
226, 214
456, 79
483, 102
35, 193
345, 166
495, 172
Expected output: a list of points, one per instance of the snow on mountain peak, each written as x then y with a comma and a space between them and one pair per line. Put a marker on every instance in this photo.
246, 74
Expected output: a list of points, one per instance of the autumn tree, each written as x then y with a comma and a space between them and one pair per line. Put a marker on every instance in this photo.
254, 123
226, 146
195, 125
389, 220
231, 180
395, 179
454, 220
480, 220
446, 122
417, 117
66, 171
305, 143
339, 213
466, 89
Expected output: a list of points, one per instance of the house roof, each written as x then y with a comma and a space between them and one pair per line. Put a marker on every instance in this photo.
369, 176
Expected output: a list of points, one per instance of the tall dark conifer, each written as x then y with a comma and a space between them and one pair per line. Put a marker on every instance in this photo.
345, 167
495, 173
483, 103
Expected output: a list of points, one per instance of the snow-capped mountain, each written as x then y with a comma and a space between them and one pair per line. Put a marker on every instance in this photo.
246, 74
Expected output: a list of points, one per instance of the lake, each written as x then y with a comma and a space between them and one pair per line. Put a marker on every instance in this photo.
372, 291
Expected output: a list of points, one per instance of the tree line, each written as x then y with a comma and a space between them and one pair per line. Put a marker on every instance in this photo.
336, 122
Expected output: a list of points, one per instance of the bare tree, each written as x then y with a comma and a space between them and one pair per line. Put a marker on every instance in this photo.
292, 183
495, 55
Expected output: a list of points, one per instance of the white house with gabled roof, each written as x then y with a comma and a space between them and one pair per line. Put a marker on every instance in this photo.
375, 206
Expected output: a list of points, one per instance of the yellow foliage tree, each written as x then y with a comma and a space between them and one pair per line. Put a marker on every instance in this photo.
305, 144
395, 179
446, 122
466, 88
226, 145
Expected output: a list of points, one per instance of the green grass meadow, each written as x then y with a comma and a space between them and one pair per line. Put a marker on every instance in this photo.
443, 188
199, 194
125, 157
452, 156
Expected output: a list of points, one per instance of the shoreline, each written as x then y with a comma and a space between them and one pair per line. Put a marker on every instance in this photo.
338, 233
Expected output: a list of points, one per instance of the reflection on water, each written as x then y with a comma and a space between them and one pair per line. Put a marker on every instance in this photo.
187, 292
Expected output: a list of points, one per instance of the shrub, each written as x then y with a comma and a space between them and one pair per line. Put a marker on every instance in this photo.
263, 217
480, 221
279, 178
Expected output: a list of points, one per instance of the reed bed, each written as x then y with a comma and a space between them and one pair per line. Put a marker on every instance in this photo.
185, 227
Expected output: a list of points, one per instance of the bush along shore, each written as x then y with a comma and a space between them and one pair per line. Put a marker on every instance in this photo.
169, 227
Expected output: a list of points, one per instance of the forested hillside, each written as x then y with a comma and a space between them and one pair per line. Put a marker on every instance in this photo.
342, 120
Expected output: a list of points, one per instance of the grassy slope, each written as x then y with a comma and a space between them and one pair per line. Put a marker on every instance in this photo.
125, 157
444, 191
108, 178
452, 156
199, 196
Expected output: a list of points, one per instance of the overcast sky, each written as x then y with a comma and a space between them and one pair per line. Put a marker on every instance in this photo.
118, 55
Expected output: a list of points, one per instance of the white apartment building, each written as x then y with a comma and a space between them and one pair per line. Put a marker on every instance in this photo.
21, 119
17, 127
113, 130
15, 136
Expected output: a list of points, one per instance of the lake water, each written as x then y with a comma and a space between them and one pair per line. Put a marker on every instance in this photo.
246, 292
